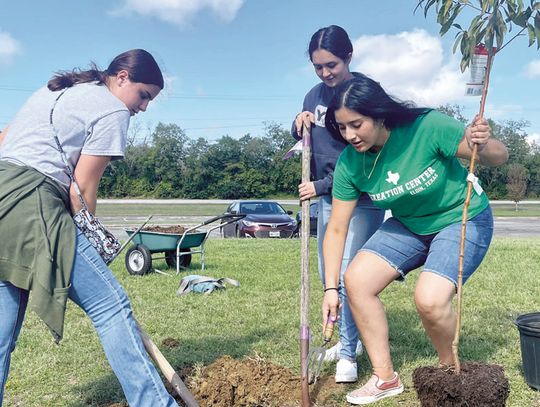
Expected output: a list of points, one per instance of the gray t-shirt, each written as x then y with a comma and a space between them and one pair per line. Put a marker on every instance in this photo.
88, 119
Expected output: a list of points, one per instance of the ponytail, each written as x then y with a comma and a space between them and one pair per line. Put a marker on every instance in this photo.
66, 79
140, 64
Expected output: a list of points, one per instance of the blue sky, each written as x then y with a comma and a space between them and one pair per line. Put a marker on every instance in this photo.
233, 64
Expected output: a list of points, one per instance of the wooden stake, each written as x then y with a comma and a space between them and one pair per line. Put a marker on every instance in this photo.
455, 342
304, 271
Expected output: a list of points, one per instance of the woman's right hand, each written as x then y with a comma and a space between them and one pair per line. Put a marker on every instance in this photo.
330, 307
303, 119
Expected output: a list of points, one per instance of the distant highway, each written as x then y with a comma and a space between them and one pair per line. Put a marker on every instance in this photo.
504, 226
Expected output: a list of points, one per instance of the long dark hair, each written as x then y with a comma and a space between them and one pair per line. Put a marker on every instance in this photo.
333, 39
367, 97
140, 64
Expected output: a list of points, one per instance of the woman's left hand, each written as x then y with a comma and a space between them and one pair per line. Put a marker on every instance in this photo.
330, 307
306, 190
478, 133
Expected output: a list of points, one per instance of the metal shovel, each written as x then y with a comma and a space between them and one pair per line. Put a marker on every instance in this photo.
316, 355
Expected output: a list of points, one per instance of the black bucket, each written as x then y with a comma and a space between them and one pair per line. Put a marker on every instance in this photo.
529, 336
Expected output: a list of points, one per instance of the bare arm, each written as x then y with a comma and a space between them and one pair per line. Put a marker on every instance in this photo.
88, 173
491, 152
333, 246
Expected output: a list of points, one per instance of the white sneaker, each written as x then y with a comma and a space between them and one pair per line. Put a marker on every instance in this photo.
346, 371
332, 354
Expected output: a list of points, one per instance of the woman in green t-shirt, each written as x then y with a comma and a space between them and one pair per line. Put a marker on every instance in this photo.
407, 160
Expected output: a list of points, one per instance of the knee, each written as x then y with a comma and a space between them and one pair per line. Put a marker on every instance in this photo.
431, 307
350, 280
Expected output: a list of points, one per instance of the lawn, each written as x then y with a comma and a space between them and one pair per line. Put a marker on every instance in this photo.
261, 318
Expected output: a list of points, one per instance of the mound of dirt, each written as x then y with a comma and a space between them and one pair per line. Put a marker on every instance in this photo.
250, 382
478, 384
253, 382
170, 342
174, 230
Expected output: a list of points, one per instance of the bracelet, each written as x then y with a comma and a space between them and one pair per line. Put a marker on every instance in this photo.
331, 288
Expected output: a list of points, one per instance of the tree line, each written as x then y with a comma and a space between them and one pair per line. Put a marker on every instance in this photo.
164, 162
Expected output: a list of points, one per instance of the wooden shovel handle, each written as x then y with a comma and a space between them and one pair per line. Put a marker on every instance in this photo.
168, 371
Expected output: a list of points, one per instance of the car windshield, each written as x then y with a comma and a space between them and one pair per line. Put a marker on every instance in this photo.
262, 208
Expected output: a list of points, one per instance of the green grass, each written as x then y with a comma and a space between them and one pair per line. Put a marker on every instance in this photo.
263, 316
122, 210
509, 210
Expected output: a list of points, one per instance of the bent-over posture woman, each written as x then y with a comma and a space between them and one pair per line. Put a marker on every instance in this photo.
407, 160
46, 257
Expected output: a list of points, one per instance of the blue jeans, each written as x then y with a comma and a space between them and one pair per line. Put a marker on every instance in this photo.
97, 292
438, 252
365, 221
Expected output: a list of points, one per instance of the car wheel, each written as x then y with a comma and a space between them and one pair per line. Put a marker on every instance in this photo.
138, 260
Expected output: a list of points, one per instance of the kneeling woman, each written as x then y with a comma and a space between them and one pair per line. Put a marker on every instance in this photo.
406, 159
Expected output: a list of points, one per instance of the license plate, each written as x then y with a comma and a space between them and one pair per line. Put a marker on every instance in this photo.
273, 233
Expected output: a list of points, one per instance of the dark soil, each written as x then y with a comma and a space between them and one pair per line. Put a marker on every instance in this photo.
174, 230
249, 382
170, 343
254, 382
478, 384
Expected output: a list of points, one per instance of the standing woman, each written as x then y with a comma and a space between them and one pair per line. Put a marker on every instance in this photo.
407, 160
46, 257
330, 51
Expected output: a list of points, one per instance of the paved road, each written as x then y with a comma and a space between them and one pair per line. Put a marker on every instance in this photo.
504, 226
517, 227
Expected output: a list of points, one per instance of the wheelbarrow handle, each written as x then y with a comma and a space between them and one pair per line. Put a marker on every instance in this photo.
130, 238
231, 217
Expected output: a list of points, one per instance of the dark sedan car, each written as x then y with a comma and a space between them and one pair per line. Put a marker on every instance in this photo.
263, 219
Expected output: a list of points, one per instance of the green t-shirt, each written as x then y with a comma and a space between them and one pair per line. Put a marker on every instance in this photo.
416, 175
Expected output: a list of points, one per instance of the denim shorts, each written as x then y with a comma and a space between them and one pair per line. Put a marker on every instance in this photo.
437, 252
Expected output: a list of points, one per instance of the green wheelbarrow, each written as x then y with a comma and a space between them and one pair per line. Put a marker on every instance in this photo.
177, 248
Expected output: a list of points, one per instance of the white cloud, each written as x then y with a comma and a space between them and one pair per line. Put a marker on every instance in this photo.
182, 11
411, 66
532, 70
9, 47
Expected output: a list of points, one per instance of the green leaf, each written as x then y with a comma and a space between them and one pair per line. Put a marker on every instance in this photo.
447, 5
510, 10
428, 6
419, 5
532, 35
488, 38
441, 16
457, 42
521, 18
479, 38
499, 27
464, 64
537, 29
446, 26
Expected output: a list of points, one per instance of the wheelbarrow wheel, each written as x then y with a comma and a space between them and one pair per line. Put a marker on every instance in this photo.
138, 260
170, 258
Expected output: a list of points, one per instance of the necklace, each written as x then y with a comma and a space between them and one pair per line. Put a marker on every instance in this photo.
374, 163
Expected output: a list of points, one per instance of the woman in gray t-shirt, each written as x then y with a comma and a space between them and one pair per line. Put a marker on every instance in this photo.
46, 256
